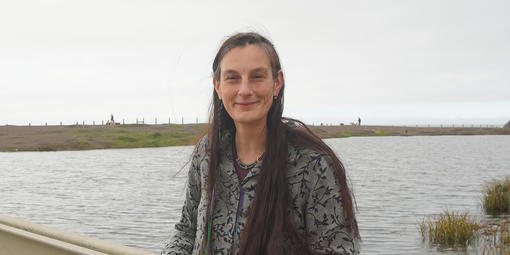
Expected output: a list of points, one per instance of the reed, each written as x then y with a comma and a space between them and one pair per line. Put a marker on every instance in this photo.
496, 199
450, 229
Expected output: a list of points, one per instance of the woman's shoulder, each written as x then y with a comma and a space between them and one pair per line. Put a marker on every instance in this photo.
307, 159
301, 153
202, 143
202, 146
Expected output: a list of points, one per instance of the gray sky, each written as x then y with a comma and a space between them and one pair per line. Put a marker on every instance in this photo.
389, 62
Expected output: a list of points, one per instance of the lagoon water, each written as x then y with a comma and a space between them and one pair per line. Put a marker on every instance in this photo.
134, 196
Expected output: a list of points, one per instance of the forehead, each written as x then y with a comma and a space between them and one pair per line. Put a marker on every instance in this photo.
245, 58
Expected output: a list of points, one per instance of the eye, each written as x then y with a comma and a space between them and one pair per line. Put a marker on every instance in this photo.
259, 76
230, 77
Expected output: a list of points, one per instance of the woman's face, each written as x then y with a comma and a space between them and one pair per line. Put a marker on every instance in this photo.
246, 84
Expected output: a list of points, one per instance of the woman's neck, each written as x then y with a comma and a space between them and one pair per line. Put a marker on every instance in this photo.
250, 141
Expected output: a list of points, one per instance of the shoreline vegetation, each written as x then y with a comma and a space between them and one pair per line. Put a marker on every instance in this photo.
459, 231
89, 137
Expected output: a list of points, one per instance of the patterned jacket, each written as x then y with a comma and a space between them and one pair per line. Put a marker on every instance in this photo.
317, 205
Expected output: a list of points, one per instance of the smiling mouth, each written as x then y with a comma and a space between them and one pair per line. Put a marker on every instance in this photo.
246, 104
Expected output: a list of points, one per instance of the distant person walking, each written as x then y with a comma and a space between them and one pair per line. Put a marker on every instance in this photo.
359, 121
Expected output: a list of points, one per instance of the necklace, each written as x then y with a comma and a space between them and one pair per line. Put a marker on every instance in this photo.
248, 166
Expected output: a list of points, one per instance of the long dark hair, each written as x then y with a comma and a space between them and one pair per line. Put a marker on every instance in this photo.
272, 231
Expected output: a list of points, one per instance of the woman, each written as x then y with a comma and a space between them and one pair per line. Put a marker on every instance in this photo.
259, 183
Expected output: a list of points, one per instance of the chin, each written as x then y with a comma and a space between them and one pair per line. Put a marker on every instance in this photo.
246, 119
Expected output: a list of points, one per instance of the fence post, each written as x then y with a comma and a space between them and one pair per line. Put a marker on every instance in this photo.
155, 121
46, 124
29, 124
168, 121
182, 120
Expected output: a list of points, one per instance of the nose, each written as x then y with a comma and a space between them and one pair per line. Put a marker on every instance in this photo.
245, 89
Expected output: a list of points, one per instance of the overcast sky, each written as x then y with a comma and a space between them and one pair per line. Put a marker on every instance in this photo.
388, 62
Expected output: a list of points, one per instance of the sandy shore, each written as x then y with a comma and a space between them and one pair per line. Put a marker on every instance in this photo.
56, 138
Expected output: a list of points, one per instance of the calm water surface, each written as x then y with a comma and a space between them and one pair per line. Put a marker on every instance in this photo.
134, 196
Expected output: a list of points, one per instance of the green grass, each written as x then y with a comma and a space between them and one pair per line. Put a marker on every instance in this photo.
496, 199
343, 134
381, 133
119, 137
450, 229
150, 139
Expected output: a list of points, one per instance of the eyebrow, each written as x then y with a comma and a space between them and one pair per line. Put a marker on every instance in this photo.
258, 69
229, 71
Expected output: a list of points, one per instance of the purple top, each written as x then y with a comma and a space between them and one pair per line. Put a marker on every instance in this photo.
241, 172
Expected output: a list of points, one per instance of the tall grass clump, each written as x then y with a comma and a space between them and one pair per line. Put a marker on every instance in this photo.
450, 229
497, 197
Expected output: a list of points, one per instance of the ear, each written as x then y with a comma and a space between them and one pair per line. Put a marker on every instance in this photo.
216, 87
278, 83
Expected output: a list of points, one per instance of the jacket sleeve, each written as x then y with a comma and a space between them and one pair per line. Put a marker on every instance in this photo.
183, 240
324, 217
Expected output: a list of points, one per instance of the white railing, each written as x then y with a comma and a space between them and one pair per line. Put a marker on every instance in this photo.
19, 237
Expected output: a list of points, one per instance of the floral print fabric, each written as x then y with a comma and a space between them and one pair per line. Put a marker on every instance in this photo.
315, 196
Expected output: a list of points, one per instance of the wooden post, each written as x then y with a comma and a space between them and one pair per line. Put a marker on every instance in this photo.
46, 124
102, 122
122, 121
61, 123
197, 120
143, 121
29, 124
182, 120
155, 121
168, 121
